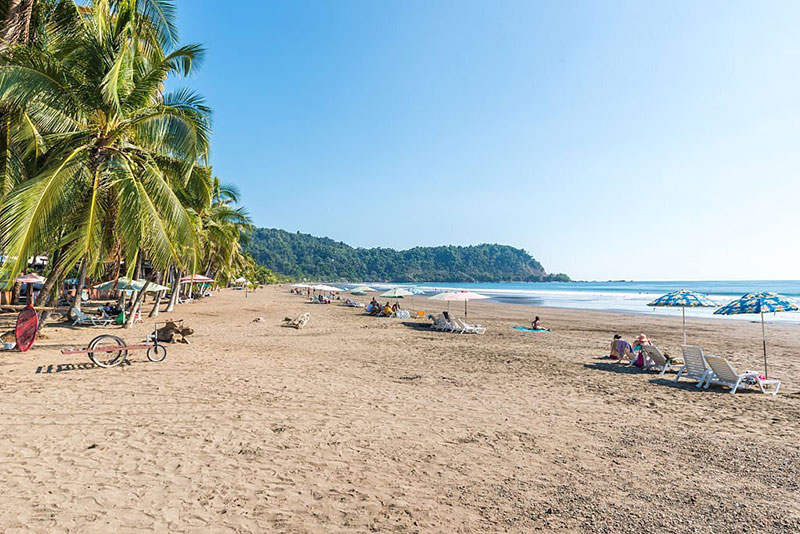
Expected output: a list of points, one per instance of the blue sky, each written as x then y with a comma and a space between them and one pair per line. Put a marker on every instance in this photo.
611, 140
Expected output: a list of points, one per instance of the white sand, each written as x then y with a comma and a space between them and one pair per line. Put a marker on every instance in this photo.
362, 424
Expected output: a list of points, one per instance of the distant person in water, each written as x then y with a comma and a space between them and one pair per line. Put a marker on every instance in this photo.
537, 324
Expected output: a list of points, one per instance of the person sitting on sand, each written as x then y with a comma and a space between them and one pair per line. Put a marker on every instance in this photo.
537, 325
624, 350
395, 307
614, 354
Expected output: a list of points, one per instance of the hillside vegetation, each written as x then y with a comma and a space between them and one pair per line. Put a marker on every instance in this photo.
304, 256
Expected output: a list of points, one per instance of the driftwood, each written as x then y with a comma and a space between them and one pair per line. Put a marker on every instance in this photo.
299, 322
174, 332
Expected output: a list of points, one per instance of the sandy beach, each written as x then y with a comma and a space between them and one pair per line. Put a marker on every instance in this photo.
358, 424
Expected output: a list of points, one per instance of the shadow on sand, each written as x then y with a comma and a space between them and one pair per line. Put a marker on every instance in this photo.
423, 327
611, 366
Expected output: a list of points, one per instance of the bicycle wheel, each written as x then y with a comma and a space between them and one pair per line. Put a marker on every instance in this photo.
104, 357
157, 353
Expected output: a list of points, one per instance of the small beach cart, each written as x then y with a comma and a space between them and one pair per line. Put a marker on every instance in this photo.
107, 350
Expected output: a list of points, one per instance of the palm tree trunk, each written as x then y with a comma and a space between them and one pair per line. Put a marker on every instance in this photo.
157, 304
81, 283
47, 294
15, 27
138, 302
176, 286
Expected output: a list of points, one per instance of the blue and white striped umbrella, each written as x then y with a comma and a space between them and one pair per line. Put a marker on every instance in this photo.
760, 303
684, 298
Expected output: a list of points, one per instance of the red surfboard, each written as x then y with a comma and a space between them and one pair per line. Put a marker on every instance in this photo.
27, 325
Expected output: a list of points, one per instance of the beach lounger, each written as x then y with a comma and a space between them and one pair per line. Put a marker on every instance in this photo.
727, 376
695, 365
467, 328
659, 361
442, 324
451, 325
89, 320
402, 314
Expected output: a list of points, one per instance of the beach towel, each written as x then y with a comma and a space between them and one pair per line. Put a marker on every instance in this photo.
526, 329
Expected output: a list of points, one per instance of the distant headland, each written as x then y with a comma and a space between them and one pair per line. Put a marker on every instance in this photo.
299, 255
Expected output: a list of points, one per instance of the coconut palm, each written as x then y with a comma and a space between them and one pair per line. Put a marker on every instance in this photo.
115, 143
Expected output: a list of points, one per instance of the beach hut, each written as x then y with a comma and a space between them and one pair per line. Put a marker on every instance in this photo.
760, 303
684, 298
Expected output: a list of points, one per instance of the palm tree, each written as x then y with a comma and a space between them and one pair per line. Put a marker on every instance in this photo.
115, 143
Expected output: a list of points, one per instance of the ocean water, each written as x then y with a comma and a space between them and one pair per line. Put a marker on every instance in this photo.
624, 297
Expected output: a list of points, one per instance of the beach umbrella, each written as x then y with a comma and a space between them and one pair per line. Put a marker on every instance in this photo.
397, 293
466, 296
360, 290
442, 296
684, 298
31, 278
323, 287
196, 278
760, 303
123, 284
152, 287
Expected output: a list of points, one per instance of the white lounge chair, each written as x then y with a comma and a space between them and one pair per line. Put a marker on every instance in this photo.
89, 320
467, 328
442, 324
727, 376
659, 361
694, 365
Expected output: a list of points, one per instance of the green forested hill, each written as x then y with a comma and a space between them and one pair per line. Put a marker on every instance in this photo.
305, 256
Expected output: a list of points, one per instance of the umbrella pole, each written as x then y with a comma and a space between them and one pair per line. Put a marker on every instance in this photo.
764, 341
683, 309
465, 308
